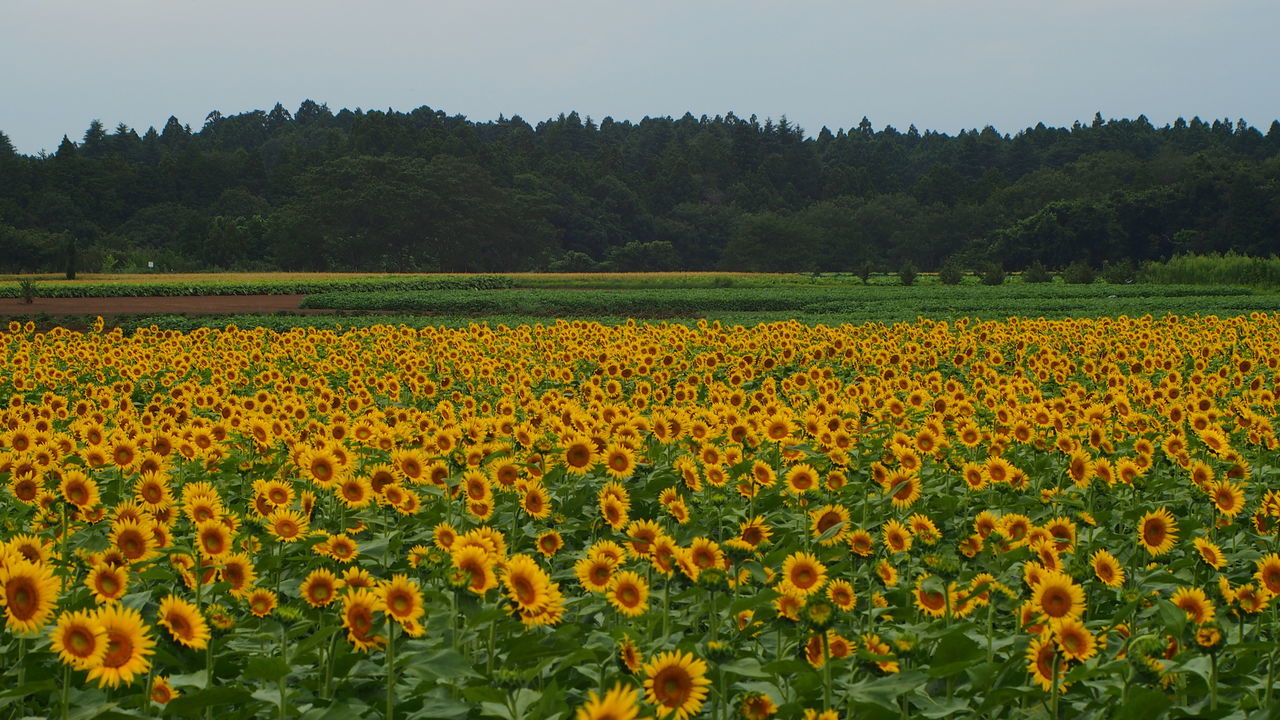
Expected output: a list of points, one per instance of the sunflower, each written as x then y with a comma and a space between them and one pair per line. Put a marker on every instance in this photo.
238, 570
287, 525
619, 461
129, 644
536, 501
358, 607
1074, 639
887, 573
1107, 568
401, 599
1041, 656
620, 703
476, 568
931, 602
897, 538
628, 593
549, 543
135, 540
861, 543
78, 489
1269, 573
803, 573
826, 518
1194, 603
801, 479
161, 691
594, 573
676, 682
1157, 531
630, 656
184, 622
320, 588
579, 455
79, 640
757, 706
355, 491
213, 539
526, 583
1210, 553
840, 593
1227, 496
29, 592
1058, 596
903, 487
261, 602
107, 582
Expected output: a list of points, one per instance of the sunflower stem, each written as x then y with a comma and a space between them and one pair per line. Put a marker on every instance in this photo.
66, 690
22, 674
391, 669
826, 672
1053, 696
1213, 681
280, 681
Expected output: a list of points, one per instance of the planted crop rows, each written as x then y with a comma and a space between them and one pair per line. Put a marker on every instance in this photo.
1071, 518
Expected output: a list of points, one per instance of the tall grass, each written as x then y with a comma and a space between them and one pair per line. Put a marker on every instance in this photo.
1229, 269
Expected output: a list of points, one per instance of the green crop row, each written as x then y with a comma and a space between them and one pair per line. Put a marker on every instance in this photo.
998, 300
213, 286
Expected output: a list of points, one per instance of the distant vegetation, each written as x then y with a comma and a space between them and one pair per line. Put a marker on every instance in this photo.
426, 191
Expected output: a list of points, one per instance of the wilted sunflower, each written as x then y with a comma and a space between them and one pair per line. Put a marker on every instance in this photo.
676, 683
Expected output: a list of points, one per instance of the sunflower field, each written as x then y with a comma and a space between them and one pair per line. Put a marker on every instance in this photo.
1025, 518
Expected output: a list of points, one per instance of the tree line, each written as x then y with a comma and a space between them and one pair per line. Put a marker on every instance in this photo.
370, 190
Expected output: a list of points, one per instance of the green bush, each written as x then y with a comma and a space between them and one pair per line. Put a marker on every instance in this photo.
1119, 273
993, 275
1229, 269
265, 287
1078, 273
864, 272
1037, 273
907, 273
950, 273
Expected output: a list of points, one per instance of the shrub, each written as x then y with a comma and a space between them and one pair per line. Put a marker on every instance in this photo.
993, 275
950, 273
864, 272
1078, 273
27, 288
907, 273
1119, 273
1036, 273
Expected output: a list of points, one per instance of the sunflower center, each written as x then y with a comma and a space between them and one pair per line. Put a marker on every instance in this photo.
22, 599
119, 650
80, 642
628, 595
672, 686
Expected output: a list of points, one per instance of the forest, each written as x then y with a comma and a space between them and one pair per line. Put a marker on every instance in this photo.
423, 191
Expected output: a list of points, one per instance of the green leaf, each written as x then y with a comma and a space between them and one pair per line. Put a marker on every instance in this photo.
955, 652
885, 691
267, 669
746, 667
1144, 703
209, 697
1172, 616
440, 665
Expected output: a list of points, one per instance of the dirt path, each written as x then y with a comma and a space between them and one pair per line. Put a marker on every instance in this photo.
189, 304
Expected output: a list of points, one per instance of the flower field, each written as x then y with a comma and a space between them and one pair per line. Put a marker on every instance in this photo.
1052, 518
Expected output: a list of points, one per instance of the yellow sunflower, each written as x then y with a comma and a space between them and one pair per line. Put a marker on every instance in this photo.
676, 682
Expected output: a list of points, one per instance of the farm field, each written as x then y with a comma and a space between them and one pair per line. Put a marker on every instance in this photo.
1004, 518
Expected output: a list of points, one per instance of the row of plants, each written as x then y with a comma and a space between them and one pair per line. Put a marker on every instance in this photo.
688, 302
1061, 519
283, 285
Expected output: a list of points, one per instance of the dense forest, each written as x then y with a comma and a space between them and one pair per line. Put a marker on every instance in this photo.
426, 191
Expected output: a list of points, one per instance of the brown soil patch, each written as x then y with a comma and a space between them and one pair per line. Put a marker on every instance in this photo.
185, 304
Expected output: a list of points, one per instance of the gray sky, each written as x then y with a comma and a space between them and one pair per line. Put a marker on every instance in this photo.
940, 64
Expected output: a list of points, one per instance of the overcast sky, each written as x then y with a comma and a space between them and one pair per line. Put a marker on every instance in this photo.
940, 64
